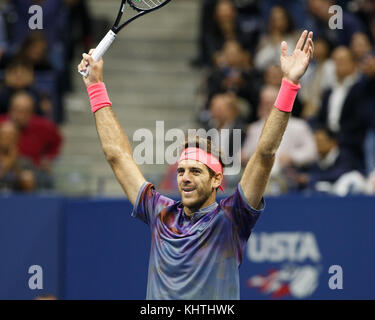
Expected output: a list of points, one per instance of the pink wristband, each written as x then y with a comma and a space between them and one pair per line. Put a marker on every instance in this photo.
287, 95
98, 96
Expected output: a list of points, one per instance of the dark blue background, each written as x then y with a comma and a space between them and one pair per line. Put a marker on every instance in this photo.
94, 249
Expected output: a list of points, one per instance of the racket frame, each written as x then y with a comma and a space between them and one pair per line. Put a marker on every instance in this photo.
117, 28
111, 35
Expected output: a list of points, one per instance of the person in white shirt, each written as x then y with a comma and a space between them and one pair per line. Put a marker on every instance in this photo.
298, 145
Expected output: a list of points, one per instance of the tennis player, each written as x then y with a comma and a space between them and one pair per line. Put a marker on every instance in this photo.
197, 244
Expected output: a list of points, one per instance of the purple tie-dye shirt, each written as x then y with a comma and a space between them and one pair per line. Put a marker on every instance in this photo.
195, 258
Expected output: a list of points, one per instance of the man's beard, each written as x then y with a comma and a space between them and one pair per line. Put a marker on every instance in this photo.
203, 196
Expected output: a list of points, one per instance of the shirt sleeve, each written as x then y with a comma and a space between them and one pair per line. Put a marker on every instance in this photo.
241, 214
149, 203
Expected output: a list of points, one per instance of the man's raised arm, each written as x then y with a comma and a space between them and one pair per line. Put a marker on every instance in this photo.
258, 169
113, 139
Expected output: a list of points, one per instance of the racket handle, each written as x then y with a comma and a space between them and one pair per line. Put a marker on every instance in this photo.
100, 50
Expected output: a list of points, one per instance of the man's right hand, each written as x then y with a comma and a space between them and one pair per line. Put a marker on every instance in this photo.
96, 69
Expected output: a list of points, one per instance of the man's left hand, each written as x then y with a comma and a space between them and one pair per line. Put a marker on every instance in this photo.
295, 65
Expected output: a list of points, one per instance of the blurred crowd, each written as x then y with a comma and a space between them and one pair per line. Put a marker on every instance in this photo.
329, 144
35, 73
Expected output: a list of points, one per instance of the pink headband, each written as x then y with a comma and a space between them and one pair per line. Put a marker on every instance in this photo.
202, 156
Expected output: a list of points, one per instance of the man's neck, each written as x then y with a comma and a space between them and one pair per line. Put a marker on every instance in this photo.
190, 211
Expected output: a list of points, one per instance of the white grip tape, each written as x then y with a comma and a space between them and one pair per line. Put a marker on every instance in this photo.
101, 49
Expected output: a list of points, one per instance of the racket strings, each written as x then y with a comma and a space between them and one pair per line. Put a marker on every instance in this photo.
147, 4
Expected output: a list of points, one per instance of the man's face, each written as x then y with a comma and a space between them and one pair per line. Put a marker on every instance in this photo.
233, 54
225, 12
360, 45
194, 183
343, 62
21, 110
8, 135
19, 77
220, 109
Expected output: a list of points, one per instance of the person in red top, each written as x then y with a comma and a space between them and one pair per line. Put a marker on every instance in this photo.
40, 139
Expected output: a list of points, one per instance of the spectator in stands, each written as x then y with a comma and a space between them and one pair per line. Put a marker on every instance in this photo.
318, 78
18, 76
360, 46
243, 15
225, 114
319, 23
234, 73
342, 106
15, 174
224, 27
295, 8
40, 139
55, 24
297, 148
251, 22
280, 28
332, 163
34, 50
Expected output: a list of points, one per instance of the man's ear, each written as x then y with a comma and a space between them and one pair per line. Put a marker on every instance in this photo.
217, 179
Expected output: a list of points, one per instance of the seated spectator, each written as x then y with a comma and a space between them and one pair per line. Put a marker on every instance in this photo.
55, 26
14, 173
234, 73
297, 148
40, 139
318, 78
360, 46
332, 163
248, 24
251, 22
18, 76
295, 8
34, 50
225, 114
280, 28
319, 23
342, 106
225, 27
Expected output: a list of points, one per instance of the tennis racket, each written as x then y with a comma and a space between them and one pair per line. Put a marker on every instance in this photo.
141, 7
